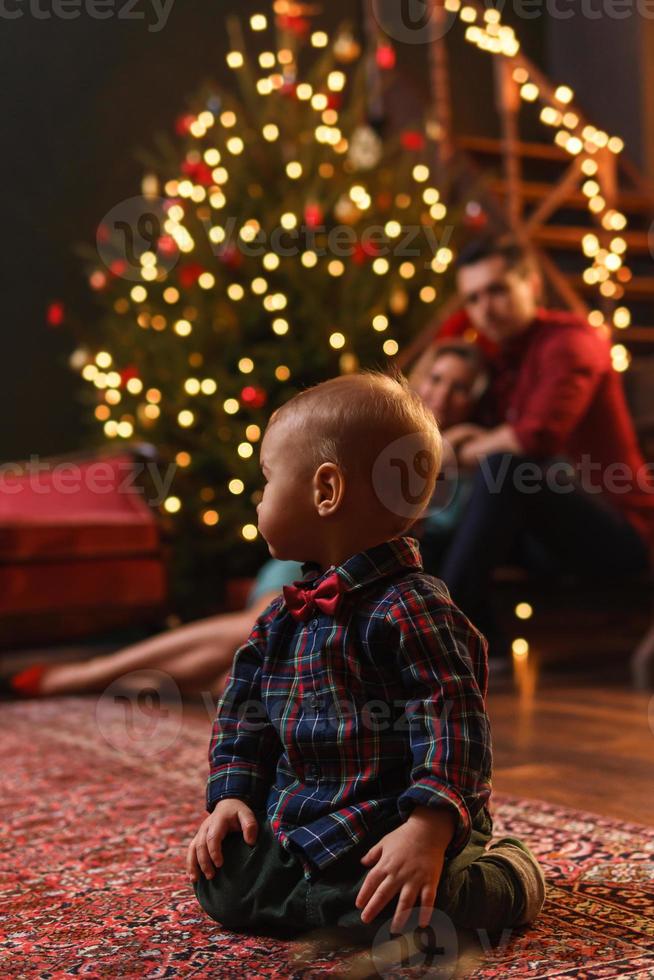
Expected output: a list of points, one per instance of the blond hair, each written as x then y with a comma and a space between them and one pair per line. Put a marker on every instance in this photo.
377, 429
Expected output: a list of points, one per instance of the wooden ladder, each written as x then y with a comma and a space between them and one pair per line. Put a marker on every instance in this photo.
540, 191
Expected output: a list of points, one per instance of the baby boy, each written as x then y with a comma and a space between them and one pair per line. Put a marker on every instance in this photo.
350, 758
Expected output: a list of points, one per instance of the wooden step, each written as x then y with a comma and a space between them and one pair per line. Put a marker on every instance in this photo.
635, 335
640, 287
629, 202
494, 147
570, 237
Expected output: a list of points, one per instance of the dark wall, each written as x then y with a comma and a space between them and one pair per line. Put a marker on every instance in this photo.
602, 60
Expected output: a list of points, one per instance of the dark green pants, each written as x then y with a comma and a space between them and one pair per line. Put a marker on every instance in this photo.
263, 889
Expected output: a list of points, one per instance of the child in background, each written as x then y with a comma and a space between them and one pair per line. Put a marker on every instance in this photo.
350, 759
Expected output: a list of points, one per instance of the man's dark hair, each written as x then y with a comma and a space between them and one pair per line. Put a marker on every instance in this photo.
511, 249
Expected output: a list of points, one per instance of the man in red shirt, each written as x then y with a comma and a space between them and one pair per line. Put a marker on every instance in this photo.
563, 468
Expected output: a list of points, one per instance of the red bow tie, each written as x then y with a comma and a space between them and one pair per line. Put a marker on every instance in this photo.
303, 601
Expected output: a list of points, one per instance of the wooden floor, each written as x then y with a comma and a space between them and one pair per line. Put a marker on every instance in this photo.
584, 740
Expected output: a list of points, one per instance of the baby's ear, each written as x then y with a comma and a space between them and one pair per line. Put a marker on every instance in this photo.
328, 488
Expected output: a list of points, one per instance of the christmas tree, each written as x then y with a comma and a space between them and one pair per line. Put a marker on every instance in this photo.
279, 239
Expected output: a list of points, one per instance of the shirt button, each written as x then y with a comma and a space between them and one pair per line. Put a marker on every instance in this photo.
314, 624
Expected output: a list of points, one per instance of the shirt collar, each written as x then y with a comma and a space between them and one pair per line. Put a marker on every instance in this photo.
373, 563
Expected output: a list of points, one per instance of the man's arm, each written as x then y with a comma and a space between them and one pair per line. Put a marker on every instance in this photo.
245, 746
569, 370
442, 663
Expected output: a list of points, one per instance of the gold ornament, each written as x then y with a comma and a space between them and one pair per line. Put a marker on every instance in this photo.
398, 301
346, 48
346, 210
348, 363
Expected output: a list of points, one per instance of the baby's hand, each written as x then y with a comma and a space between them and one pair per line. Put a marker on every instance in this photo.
205, 850
409, 860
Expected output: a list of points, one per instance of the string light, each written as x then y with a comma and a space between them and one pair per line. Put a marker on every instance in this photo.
336, 81
183, 328
520, 648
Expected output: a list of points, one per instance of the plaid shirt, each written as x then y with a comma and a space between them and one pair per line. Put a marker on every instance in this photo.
332, 723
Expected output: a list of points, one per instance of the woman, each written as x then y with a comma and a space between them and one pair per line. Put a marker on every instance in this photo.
198, 656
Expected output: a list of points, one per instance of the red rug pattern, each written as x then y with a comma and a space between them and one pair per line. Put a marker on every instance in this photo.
101, 797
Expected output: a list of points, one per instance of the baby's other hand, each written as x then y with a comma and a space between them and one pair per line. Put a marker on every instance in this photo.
408, 860
205, 850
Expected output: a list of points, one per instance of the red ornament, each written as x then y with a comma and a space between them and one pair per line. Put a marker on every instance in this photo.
55, 314
289, 89
334, 100
299, 26
386, 57
167, 245
365, 250
313, 215
199, 172
189, 274
412, 139
118, 267
231, 257
253, 397
183, 124
474, 216
127, 373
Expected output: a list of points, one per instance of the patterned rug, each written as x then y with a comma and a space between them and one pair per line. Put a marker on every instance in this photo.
101, 797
